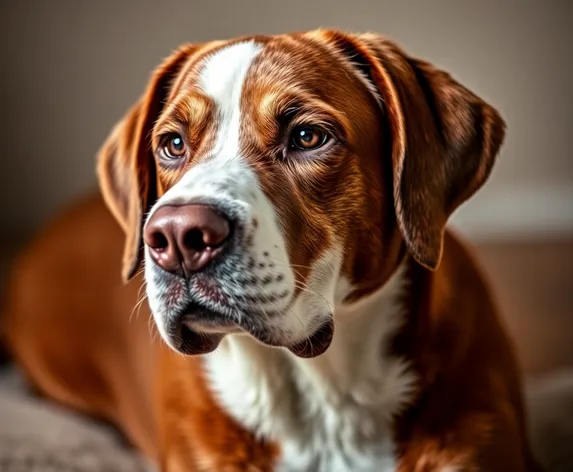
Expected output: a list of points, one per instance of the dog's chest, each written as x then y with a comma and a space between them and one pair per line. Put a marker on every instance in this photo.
328, 414
330, 431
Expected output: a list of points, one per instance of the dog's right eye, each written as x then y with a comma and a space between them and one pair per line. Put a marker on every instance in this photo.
307, 137
174, 147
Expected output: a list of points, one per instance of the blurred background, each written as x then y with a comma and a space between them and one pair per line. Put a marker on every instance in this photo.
69, 70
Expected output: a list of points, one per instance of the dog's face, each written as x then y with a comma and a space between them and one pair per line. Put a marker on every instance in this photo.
267, 179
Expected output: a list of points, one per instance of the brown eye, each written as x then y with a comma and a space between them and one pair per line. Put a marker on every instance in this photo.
307, 137
174, 147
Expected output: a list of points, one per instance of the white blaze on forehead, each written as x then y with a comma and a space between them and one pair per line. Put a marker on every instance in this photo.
222, 79
223, 173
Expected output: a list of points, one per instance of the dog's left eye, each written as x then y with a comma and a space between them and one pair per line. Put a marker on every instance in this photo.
174, 147
306, 137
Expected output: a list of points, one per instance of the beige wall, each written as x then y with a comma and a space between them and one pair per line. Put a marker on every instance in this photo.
70, 68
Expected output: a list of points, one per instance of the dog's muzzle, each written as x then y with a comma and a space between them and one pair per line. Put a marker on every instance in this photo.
211, 278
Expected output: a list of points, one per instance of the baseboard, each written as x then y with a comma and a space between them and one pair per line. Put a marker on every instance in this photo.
520, 213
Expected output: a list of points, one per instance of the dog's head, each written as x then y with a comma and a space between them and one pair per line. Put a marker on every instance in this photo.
264, 180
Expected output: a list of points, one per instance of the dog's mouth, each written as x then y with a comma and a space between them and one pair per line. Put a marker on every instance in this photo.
200, 331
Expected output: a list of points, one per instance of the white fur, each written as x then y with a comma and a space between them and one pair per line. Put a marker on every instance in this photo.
222, 79
331, 413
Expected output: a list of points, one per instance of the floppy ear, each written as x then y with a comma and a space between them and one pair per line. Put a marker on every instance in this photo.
444, 139
126, 166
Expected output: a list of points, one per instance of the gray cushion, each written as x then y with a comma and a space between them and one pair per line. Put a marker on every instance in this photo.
36, 435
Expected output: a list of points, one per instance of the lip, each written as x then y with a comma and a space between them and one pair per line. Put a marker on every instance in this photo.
204, 319
191, 342
214, 324
201, 329
316, 344
213, 328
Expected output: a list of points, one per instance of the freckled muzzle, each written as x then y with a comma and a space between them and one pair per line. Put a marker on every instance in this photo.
213, 272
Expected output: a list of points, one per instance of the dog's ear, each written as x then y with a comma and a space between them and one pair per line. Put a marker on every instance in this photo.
444, 139
126, 166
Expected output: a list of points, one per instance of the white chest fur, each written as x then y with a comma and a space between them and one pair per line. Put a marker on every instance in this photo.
331, 413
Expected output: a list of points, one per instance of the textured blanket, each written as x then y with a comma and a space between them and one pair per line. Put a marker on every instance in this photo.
36, 435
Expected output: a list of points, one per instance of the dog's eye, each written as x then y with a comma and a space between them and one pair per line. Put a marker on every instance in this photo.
174, 147
308, 137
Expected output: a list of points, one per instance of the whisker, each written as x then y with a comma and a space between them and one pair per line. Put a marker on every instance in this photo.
150, 328
303, 285
264, 312
137, 308
289, 264
276, 299
141, 297
306, 288
141, 287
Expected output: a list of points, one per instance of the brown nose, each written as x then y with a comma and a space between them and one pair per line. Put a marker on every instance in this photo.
184, 239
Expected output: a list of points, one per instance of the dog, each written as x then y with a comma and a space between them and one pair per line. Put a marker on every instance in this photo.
283, 201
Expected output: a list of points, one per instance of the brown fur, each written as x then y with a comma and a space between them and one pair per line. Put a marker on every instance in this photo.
386, 188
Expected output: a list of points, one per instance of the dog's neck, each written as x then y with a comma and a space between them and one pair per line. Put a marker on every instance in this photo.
356, 385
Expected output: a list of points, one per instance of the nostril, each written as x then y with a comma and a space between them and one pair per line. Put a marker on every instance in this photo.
208, 235
193, 240
218, 231
158, 241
